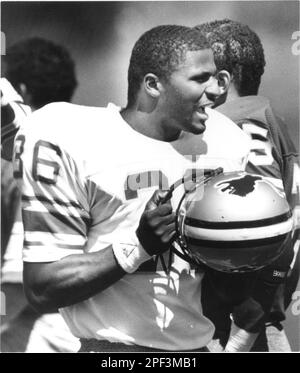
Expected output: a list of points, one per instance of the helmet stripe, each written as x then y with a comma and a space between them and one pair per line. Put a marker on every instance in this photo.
237, 224
245, 244
238, 234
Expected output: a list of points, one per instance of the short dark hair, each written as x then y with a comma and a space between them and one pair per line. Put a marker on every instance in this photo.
46, 69
238, 50
160, 51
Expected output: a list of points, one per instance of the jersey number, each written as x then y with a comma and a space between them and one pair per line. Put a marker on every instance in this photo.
261, 151
42, 169
19, 148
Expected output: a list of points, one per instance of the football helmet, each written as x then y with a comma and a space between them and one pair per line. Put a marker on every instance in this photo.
232, 222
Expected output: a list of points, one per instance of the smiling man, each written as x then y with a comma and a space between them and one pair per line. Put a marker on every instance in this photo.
188, 92
96, 243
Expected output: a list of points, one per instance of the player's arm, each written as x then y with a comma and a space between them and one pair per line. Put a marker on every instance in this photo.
55, 209
70, 280
77, 277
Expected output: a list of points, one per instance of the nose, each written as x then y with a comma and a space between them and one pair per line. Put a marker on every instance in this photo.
213, 90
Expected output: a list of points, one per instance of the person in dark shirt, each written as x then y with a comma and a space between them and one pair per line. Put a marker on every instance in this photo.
260, 298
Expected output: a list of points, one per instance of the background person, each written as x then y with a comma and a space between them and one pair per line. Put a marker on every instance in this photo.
238, 50
37, 72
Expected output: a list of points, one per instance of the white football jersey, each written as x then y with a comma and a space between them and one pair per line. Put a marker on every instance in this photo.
12, 268
86, 177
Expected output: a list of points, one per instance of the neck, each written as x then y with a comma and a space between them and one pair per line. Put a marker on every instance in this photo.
150, 124
232, 93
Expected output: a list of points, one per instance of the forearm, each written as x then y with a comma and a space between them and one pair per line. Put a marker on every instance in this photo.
75, 278
70, 280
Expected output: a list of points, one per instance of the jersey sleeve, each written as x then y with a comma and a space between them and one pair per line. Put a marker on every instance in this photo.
290, 160
13, 113
54, 198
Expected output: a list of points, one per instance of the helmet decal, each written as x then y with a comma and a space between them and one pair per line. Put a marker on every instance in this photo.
241, 186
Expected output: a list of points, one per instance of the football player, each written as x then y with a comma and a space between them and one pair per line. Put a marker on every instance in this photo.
37, 72
238, 51
96, 243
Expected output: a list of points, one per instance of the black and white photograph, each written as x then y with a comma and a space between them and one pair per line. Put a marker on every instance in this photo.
150, 179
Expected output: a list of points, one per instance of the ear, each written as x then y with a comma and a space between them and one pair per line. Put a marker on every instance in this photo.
224, 79
152, 85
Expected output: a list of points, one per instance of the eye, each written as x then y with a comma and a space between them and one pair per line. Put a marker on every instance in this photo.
202, 78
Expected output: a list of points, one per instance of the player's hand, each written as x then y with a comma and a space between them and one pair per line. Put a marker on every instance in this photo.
157, 225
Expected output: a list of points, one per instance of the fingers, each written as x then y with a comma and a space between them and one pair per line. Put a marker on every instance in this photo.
157, 224
169, 237
166, 233
156, 220
159, 215
160, 212
157, 197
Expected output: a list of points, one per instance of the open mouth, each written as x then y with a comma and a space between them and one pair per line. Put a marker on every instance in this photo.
201, 109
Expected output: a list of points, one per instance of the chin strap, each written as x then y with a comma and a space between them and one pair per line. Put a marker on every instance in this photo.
203, 179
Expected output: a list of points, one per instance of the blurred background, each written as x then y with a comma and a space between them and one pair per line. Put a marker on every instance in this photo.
100, 36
